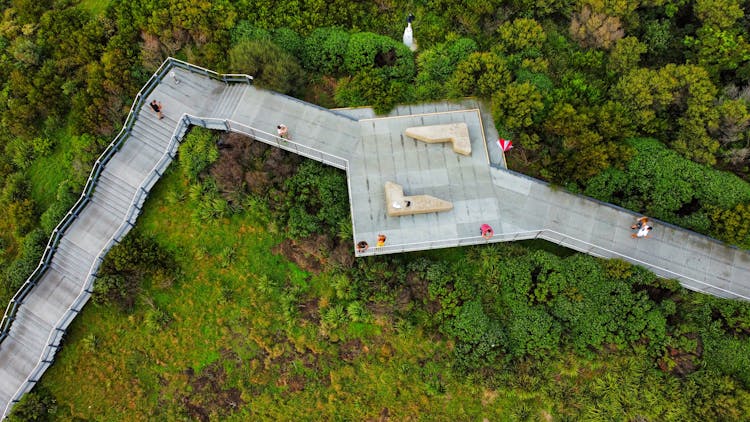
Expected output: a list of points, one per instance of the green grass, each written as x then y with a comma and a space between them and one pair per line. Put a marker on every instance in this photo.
238, 310
46, 173
239, 333
95, 7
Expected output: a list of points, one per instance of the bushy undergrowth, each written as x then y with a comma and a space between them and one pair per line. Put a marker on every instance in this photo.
662, 184
505, 331
120, 277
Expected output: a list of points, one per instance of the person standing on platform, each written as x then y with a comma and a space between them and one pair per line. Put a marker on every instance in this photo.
486, 231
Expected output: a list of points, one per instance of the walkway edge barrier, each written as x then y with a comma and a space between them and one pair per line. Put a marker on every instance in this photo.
57, 333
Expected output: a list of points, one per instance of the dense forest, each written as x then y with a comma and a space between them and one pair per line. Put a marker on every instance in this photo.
641, 104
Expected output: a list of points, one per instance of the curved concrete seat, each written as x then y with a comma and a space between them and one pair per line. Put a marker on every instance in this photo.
396, 202
456, 133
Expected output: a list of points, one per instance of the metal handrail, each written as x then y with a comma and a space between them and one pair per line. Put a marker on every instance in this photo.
59, 230
546, 234
270, 139
133, 211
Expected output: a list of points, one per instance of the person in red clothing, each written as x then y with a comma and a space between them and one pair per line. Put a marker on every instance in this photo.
486, 231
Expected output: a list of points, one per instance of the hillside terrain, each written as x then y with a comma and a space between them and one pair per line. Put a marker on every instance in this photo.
237, 295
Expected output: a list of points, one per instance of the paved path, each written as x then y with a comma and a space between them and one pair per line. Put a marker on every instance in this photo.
372, 150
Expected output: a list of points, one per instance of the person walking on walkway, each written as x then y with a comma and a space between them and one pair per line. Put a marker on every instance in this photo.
156, 106
644, 229
639, 223
282, 131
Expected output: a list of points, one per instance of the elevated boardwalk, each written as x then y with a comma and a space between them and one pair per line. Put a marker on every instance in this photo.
372, 150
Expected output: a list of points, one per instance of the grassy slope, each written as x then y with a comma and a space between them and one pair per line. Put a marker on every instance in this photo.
239, 334
95, 7
46, 173
124, 370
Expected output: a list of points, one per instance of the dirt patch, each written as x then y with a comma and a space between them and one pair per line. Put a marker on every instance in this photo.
385, 415
418, 287
489, 397
681, 362
288, 364
350, 350
294, 383
208, 398
414, 292
317, 252
245, 165
308, 310
322, 92
343, 254
306, 253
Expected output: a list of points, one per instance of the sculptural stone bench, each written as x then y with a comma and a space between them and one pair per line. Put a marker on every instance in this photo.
396, 202
456, 133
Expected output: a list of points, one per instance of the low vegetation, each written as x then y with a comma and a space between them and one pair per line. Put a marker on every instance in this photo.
241, 316
237, 296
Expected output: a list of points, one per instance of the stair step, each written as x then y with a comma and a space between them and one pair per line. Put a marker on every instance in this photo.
67, 243
69, 254
153, 125
68, 269
147, 140
118, 211
106, 192
116, 185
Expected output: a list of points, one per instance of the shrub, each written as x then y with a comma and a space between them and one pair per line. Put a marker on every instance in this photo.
16, 188
83, 152
324, 50
532, 332
43, 146
480, 74
54, 214
289, 41
20, 269
660, 183
209, 205
316, 200
732, 225
122, 271
270, 65
246, 31
372, 88
155, 319
437, 64
521, 35
37, 405
21, 152
479, 338
450, 288
367, 51
517, 106
197, 152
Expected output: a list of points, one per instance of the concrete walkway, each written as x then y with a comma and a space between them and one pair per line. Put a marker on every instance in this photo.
372, 150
